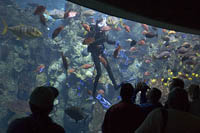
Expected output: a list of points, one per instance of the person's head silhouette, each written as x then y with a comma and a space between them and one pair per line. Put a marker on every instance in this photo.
42, 99
41, 103
126, 92
176, 82
194, 92
154, 95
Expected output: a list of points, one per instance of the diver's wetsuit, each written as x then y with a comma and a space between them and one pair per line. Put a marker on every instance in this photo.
97, 49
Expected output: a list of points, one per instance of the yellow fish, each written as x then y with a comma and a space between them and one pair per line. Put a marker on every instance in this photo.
129, 40
165, 84
193, 74
153, 80
171, 32
22, 31
198, 54
121, 22
85, 33
179, 73
115, 26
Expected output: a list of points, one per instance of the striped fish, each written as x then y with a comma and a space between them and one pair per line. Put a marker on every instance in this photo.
22, 31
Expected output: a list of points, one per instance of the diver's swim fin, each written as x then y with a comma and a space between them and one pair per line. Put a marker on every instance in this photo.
105, 103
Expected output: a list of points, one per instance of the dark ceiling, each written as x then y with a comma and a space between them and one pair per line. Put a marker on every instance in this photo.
172, 14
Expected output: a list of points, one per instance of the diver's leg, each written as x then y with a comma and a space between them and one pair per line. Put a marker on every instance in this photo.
98, 69
110, 74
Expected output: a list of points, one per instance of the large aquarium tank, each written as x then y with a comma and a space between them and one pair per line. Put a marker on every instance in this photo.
86, 55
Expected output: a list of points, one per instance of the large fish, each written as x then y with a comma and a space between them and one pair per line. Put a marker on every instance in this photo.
150, 34
182, 50
76, 113
22, 31
162, 55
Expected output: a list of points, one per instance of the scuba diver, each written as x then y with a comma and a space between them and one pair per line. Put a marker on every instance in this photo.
97, 51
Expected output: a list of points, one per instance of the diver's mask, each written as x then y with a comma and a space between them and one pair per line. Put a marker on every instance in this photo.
100, 23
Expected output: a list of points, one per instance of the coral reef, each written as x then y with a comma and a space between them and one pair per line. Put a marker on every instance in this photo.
41, 79
18, 64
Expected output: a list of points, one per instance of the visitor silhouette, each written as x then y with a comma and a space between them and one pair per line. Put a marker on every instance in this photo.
41, 104
125, 116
